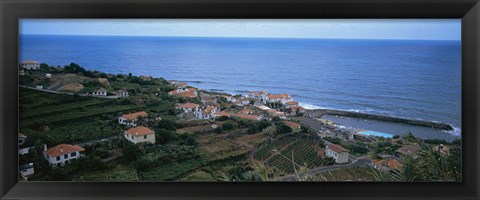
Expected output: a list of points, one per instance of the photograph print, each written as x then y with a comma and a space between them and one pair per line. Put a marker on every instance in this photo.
323, 100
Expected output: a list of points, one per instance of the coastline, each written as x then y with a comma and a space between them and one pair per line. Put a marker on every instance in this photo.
432, 124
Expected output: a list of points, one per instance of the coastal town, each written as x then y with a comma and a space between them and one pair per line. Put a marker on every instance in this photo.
82, 125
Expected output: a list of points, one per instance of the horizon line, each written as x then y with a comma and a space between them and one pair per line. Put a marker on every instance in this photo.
193, 36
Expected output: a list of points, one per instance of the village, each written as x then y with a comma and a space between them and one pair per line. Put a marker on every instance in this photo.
149, 123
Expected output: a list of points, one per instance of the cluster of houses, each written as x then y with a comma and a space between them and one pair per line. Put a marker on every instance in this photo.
211, 108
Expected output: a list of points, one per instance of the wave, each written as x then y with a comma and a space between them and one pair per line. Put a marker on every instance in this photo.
456, 131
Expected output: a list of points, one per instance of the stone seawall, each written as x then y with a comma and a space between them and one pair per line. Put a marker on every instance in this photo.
438, 125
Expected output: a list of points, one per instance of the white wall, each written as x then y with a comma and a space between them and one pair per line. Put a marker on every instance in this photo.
54, 161
137, 139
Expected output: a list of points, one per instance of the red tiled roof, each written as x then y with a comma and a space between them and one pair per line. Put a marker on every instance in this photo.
139, 131
222, 113
292, 124
189, 105
209, 109
188, 94
278, 96
133, 116
407, 150
337, 148
292, 103
62, 149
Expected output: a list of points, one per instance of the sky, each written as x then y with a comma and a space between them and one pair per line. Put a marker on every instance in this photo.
415, 29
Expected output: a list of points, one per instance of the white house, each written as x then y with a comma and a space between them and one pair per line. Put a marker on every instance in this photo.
257, 95
140, 134
48, 75
282, 98
206, 113
121, 93
337, 152
100, 92
62, 154
291, 104
30, 64
189, 107
132, 118
21, 139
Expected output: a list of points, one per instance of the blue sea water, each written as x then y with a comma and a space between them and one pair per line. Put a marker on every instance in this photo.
406, 78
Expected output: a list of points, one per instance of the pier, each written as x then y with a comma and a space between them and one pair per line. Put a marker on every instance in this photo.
318, 113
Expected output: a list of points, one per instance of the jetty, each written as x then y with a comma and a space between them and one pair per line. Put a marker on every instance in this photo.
318, 113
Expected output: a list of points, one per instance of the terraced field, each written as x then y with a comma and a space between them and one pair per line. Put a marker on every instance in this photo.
305, 153
70, 118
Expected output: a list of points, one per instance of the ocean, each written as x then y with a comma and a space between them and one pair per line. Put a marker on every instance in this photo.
418, 79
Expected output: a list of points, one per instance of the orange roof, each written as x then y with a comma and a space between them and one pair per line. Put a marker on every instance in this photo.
245, 112
292, 103
407, 150
278, 96
222, 113
191, 89
189, 105
139, 131
29, 62
133, 116
271, 111
174, 92
337, 148
209, 109
394, 164
188, 94
292, 124
387, 164
62, 149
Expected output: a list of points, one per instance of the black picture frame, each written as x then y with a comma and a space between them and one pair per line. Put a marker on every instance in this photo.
11, 11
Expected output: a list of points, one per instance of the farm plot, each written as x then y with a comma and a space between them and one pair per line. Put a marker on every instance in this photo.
305, 153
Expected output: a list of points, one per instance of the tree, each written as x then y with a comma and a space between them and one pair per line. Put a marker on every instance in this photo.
283, 129
143, 164
228, 126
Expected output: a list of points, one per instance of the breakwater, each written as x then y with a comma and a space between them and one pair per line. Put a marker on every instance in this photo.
317, 113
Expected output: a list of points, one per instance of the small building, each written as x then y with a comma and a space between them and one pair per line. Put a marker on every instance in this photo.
189, 107
140, 134
188, 95
282, 98
407, 150
293, 125
132, 118
21, 139
21, 72
39, 87
48, 76
291, 104
30, 64
221, 113
121, 93
386, 165
338, 153
62, 154
100, 92
206, 113
257, 95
